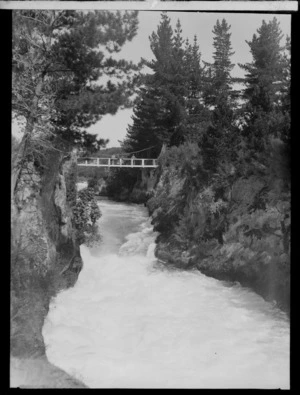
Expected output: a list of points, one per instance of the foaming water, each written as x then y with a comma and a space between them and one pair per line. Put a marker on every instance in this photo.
129, 324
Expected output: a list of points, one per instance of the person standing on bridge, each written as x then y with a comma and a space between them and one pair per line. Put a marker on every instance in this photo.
132, 159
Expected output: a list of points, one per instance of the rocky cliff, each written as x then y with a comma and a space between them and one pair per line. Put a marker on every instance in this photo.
234, 227
144, 186
45, 256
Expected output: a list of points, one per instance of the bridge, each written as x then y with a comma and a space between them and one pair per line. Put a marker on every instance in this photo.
118, 162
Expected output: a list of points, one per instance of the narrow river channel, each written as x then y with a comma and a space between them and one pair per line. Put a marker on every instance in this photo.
129, 323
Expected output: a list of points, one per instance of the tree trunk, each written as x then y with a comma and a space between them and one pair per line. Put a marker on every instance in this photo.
18, 165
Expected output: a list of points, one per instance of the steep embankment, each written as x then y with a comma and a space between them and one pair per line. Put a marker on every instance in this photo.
45, 258
232, 227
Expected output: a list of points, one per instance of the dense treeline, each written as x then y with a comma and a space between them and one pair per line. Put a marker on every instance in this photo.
186, 99
234, 122
183, 101
223, 198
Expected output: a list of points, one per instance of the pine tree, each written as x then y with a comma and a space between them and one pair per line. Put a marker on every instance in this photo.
284, 94
168, 81
154, 112
221, 98
169, 109
141, 134
265, 70
264, 82
197, 113
176, 89
56, 62
220, 92
161, 46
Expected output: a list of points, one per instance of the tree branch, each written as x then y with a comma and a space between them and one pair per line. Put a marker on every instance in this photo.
35, 20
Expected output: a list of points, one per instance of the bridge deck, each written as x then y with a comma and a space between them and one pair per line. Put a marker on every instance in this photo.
117, 162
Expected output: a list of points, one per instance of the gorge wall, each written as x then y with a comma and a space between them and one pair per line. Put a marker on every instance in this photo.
45, 255
235, 228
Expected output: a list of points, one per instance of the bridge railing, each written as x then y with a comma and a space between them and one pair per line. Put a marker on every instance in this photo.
150, 162
87, 161
103, 161
117, 162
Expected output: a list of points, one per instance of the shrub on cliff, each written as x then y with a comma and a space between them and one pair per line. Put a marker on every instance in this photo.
187, 159
71, 180
86, 213
93, 182
182, 175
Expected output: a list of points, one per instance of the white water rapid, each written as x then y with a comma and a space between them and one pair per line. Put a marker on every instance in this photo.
128, 323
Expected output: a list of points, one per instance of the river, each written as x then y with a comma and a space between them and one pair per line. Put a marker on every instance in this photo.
130, 323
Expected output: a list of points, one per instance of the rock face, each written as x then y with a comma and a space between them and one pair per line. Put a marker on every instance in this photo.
144, 187
39, 373
45, 256
236, 232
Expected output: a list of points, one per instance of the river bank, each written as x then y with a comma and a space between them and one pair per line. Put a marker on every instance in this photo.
236, 232
29, 366
40, 373
233, 226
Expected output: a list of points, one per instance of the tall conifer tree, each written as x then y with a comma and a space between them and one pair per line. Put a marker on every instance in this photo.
197, 112
169, 81
220, 96
57, 58
265, 80
154, 111
169, 107
142, 134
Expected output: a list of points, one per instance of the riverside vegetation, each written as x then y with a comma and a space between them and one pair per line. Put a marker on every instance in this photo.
234, 226
221, 195
56, 61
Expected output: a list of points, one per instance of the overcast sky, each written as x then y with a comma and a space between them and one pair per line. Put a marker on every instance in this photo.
243, 26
